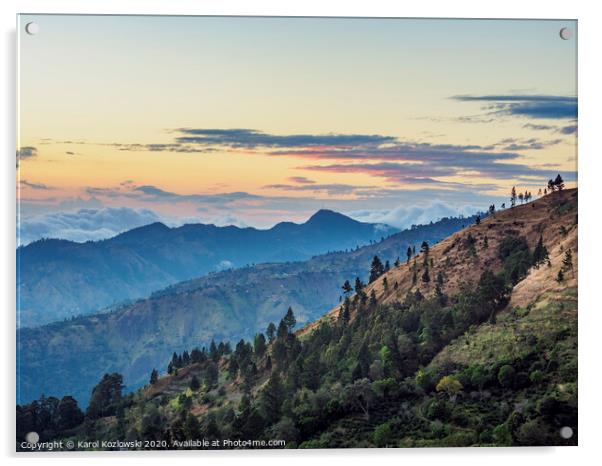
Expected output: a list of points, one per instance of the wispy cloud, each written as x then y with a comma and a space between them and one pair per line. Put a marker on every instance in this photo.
331, 188
149, 193
570, 129
300, 180
26, 152
36, 186
514, 144
251, 139
532, 106
539, 127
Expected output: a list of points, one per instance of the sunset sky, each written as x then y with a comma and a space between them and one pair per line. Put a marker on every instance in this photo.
251, 121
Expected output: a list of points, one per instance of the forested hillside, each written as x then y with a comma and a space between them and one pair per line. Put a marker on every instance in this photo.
468, 342
224, 306
58, 279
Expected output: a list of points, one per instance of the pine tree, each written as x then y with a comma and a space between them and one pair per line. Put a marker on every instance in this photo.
359, 286
154, 377
559, 182
271, 331
513, 196
347, 287
106, 396
213, 352
272, 398
211, 375
560, 276
376, 269
567, 262
373, 298
289, 319
426, 278
540, 253
175, 361
345, 314
282, 331
409, 254
385, 284
194, 383
259, 345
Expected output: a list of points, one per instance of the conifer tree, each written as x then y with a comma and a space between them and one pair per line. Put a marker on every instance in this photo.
359, 286
154, 377
567, 262
376, 269
560, 276
426, 278
271, 331
194, 383
211, 375
559, 182
289, 319
213, 352
347, 287
373, 298
540, 253
259, 345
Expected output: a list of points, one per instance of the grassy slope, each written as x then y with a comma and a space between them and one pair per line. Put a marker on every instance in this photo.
454, 260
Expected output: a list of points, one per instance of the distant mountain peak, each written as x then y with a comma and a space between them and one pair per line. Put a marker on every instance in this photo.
326, 215
155, 227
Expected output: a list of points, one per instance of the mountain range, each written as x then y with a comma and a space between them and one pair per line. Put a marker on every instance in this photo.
69, 356
470, 342
57, 279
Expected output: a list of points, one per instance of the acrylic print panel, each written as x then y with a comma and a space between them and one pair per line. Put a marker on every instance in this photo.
253, 232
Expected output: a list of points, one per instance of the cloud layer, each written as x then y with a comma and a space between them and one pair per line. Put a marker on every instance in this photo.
84, 224
404, 217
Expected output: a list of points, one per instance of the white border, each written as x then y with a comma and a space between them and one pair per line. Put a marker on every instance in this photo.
590, 168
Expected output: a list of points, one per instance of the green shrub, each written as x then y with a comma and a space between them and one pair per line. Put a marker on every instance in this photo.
536, 376
506, 376
383, 435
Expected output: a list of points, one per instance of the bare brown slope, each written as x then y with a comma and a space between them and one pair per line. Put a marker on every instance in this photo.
453, 258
